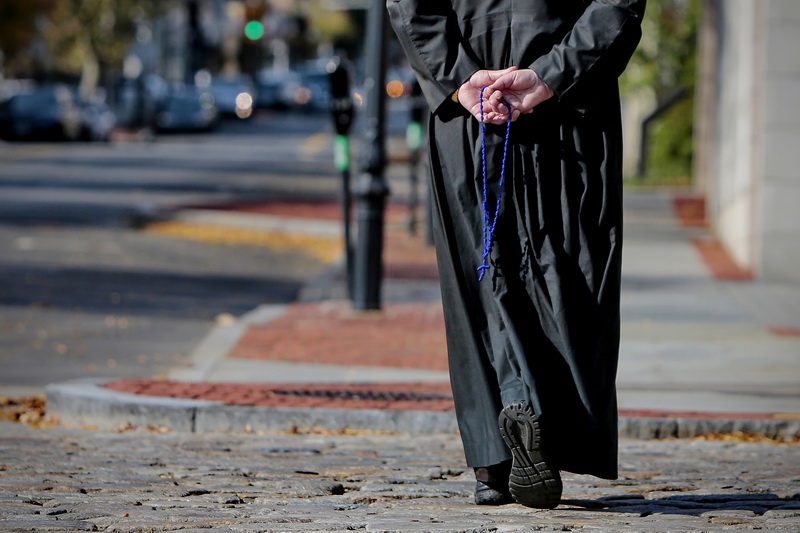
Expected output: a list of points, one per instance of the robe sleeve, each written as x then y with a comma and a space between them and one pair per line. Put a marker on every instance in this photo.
429, 34
597, 48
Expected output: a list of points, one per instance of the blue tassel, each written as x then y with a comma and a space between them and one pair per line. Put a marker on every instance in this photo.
490, 220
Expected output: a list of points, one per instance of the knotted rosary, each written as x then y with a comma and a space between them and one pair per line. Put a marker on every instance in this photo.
490, 219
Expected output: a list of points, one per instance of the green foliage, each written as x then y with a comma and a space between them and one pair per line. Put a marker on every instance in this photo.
96, 30
18, 31
665, 61
334, 27
672, 146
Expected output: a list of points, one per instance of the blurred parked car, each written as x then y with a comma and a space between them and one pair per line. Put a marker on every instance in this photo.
307, 90
234, 96
187, 112
47, 113
269, 88
97, 121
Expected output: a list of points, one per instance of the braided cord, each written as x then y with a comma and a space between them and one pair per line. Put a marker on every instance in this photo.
489, 219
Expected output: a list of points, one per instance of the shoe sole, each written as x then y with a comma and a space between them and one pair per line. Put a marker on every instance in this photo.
533, 482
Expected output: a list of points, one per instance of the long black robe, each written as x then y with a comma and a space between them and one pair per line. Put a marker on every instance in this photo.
543, 325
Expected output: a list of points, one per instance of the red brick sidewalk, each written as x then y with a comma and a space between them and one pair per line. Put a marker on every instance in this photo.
400, 396
401, 336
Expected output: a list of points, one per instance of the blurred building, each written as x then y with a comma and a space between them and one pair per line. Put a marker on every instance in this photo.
748, 131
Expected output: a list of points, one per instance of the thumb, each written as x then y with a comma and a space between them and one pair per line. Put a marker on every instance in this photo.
504, 82
497, 74
482, 78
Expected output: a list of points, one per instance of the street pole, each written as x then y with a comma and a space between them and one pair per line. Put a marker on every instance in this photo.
194, 42
372, 189
342, 111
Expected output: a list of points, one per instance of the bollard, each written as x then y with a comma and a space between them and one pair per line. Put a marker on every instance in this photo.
372, 189
342, 110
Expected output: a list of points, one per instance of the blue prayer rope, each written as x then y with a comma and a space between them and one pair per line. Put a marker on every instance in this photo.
489, 220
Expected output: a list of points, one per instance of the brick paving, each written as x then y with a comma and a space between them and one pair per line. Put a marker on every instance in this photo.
401, 336
690, 211
719, 261
785, 332
398, 396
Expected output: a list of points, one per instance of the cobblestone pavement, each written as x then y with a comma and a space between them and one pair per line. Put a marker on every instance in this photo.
78, 480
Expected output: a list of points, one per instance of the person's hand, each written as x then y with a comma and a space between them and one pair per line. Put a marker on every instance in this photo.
522, 89
494, 112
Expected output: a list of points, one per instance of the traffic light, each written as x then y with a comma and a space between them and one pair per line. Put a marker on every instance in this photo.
255, 11
254, 30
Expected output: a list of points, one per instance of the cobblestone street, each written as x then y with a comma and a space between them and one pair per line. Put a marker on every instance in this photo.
138, 481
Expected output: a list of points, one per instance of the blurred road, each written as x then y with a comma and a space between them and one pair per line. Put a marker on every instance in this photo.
87, 290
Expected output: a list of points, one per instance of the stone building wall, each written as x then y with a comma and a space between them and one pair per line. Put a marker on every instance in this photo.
748, 131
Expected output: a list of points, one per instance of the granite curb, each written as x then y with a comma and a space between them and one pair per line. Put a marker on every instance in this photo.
77, 404
90, 404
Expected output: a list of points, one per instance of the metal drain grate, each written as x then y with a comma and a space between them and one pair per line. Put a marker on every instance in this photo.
379, 396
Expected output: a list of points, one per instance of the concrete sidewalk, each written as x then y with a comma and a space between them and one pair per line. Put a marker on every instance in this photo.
705, 348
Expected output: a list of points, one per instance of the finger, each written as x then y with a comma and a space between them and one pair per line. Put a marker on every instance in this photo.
485, 113
496, 101
513, 102
502, 107
506, 81
483, 78
490, 117
499, 118
497, 74
480, 79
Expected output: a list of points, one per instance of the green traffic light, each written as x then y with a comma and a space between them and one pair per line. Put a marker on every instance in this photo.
254, 30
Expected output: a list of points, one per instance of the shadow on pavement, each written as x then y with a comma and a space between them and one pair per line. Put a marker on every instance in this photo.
694, 505
152, 293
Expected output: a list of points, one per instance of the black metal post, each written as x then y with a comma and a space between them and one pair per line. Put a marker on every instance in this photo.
342, 110
195, 43
372, 188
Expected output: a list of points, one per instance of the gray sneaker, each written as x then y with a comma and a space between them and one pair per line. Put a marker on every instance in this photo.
486, 495
533, 482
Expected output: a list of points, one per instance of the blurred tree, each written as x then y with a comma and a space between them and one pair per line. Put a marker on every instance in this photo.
90, 37
665, 62
18, 20
336, 28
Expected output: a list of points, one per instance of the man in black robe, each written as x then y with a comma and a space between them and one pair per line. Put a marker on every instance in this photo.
533, 347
